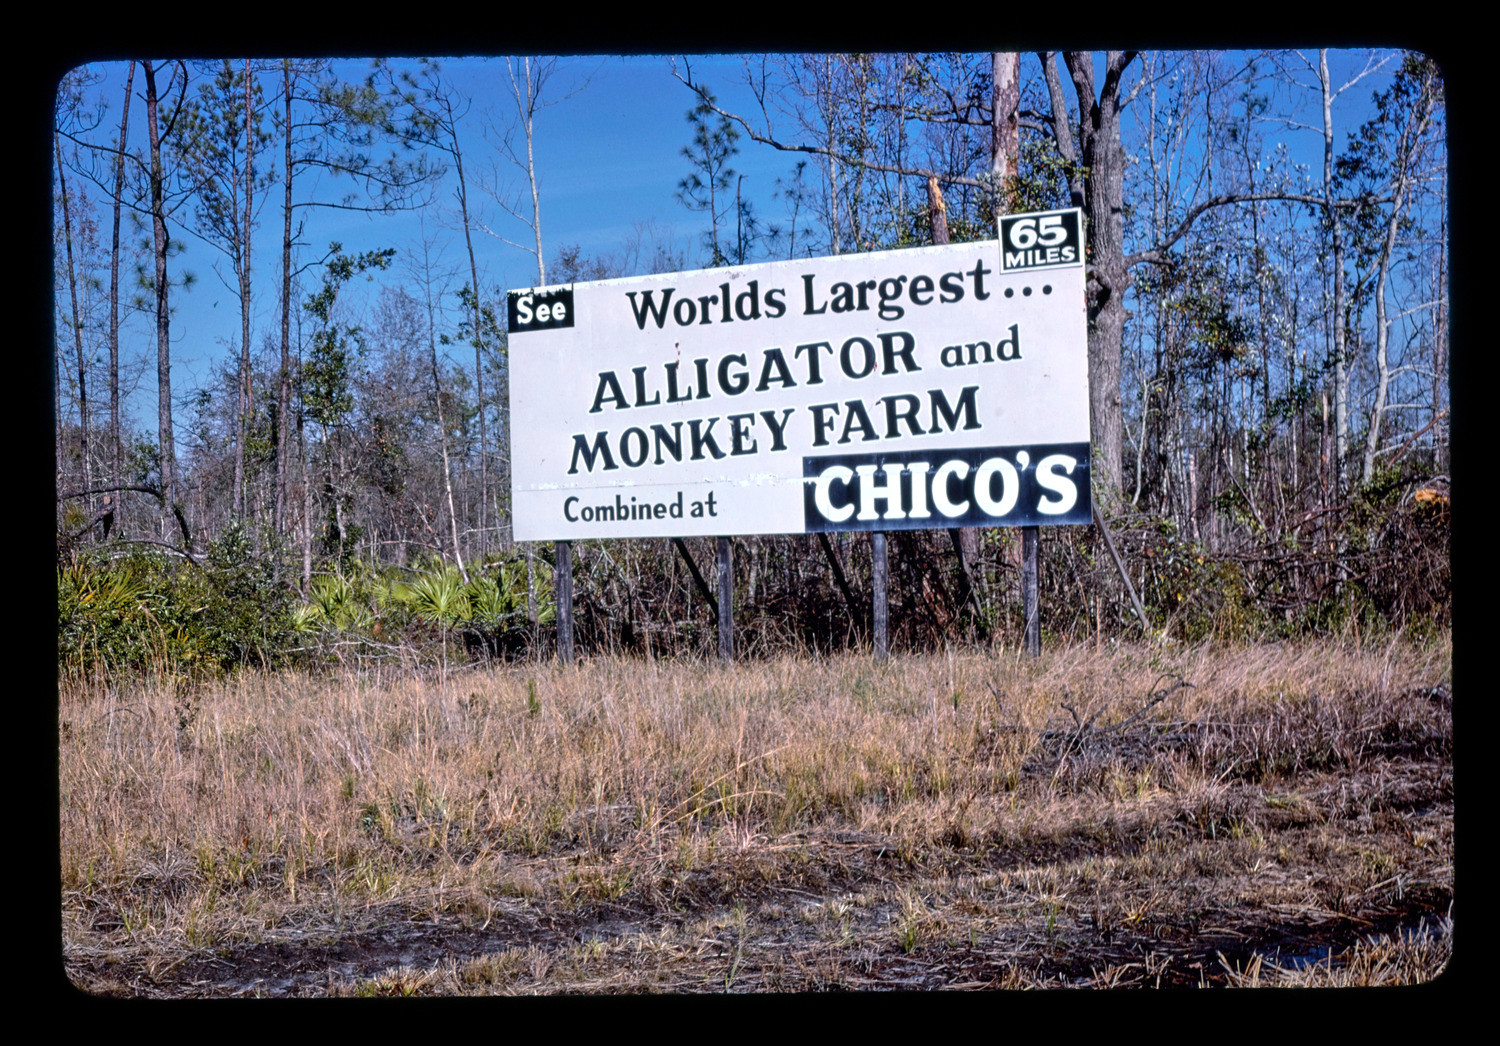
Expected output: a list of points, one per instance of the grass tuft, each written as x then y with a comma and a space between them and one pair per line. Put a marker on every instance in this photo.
999, 813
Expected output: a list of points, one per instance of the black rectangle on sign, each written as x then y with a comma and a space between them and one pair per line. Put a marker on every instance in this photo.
1023, 486
1036, 241
534, 310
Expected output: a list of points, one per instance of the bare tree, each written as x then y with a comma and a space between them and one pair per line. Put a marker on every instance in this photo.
161, 128
75, 317
528, 82
330, 126
116, 444
425, 272
1335, 211
530, 79
1409, 107
223, 128
430, 110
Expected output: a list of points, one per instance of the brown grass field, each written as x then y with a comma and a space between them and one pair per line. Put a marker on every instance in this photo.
1101, 817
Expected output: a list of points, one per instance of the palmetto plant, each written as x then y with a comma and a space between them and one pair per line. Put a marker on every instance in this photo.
499, 597
338, 604
510, 574
333, 597
369, 603
96, 608
361, 599
489, 604
116, 592
306, 618
440, 596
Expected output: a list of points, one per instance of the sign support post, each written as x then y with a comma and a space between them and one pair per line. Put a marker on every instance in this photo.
1135, 601
565, 602
879, 582
1032, 628
703, 590
726, 602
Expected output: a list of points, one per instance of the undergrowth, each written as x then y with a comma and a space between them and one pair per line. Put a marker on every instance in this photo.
1382, 569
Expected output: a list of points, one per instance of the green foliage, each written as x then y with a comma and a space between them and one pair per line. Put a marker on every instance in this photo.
439, 597
1042, 181
488, 604
150, 611
327, 393
335, 602
104, 615
707, 187
337, 545
247, 608
359, 600
492, 602
413, 607
1191, 592
491, 330
212, 148
497, 599
1384, 144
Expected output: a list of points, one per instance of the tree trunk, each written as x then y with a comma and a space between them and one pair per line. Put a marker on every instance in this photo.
1005, 147
527, 110
1409, 140
117, 449
528, 121
1103, 161
242, 264
726, 600
484, 474
160, 243
437, 399
284, 389
1340, 351
75, 321
1440, 342
305, 459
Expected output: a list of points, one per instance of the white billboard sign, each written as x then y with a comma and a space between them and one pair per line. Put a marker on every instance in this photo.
935, 387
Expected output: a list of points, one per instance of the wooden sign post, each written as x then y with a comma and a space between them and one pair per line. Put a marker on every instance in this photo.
565, 602
1031, 630
726, 602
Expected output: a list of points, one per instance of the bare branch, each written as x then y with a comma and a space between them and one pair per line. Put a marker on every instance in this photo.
1157, 255
763, 138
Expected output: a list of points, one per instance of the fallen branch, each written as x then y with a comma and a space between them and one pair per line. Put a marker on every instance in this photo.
1083, 737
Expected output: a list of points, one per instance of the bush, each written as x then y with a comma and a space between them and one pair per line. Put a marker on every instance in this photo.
148, 610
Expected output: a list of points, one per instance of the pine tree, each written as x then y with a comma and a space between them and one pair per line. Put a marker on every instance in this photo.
706, 189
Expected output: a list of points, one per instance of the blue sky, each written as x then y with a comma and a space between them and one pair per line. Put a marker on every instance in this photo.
609, 157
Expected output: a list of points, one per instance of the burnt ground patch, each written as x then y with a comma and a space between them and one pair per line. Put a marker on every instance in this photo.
1083, 904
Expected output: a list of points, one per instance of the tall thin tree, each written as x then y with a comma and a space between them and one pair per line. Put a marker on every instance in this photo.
161, 128
330, 125
223, 128
430, 109
117, 448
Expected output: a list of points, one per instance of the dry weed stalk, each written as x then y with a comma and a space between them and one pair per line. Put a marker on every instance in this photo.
248, 808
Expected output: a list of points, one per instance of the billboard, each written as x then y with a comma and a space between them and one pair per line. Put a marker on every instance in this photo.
933, 387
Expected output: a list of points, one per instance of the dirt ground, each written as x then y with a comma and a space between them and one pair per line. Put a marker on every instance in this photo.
1277, 816
1305, 888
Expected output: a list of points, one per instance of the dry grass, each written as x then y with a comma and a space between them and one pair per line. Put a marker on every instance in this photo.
1410, 956
956, 820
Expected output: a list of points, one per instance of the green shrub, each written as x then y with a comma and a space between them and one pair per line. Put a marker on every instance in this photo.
148, 610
